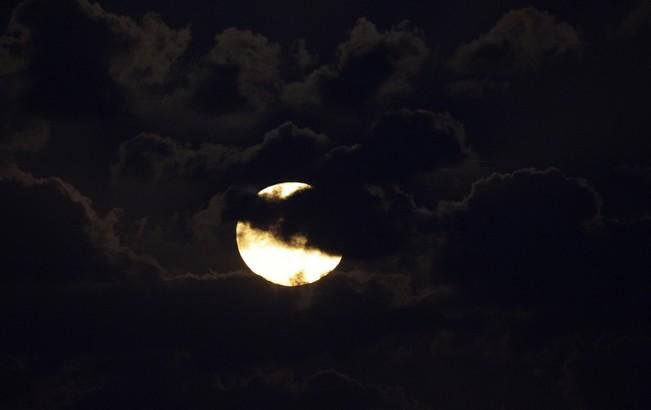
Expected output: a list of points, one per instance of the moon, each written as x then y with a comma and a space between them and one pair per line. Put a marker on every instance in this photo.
283, 263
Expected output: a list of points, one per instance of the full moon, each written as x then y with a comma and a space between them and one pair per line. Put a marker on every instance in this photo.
284, 263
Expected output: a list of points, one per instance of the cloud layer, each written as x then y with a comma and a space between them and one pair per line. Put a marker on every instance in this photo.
482, 168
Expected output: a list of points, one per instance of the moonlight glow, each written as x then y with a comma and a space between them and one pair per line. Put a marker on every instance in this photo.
288, 264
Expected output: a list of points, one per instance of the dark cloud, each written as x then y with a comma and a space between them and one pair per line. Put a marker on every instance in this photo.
522, 44
78, 66
301, 58
372, 68
71, 71
591, 372
162, 165
276, 390
363, 221
399, 144
53, 235
225, 94
201, 242
149, 50
230, 89
574, 107
286, 153
251, 324
167, 186
236, 339
140, 68
625, 189
323, 390
256, 61
147, 156
155, 169
537, 237
289, 152
12, 49
636, 21
22, 134
518, 236
464, 284
338, 218
344, 214
82, 49
521, 41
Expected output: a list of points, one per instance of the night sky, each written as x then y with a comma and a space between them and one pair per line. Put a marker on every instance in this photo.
483, 167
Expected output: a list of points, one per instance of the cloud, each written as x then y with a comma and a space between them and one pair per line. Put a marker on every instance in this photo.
301, 58
286, 152
159, 176
162, 165
611, 372
521, 41
400, 144
231, 90
149, 50
235, 339
636, 21
256, 60
514, 291
13, 54
22, 133
93, 57
149, 157
53, 235
325, 389
175, 193
625, 190
140, 68
520, 237
340, 218
371, 68
537, 239
206, 334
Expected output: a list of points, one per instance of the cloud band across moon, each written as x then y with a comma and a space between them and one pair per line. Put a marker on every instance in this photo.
287, 262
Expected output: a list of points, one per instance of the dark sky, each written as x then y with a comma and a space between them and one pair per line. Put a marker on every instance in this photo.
484, 168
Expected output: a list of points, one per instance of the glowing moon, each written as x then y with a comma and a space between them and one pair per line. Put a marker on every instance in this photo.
287, 264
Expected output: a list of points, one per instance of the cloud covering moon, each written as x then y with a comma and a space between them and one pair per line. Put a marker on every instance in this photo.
287, 263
